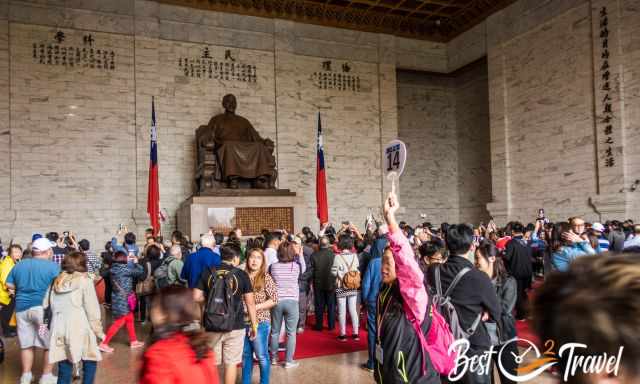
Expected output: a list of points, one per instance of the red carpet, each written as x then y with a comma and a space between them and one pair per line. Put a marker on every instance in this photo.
314, 343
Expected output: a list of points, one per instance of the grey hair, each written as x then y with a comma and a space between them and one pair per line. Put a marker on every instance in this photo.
208, 241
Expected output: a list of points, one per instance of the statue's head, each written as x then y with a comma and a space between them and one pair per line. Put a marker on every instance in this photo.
229, 103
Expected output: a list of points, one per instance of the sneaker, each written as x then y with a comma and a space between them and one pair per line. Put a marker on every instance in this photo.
366, 367
291, 364
136, 344
300, 330
342, 338
355, 337
274, 361
105, 348
48, 379
26, 378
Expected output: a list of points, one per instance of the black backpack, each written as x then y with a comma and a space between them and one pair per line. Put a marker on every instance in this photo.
446, 308
161, 274
219, 314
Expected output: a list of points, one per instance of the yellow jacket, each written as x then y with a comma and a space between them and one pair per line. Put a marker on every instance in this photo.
6, 265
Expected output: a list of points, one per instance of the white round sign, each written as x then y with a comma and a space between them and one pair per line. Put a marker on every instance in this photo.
395, 157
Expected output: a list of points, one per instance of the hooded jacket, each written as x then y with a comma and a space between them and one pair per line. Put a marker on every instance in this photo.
75, 321
517, 257
122, 277
173, 361
373, 276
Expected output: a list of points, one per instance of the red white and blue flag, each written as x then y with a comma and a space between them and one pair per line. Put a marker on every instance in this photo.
321, 180
153, 193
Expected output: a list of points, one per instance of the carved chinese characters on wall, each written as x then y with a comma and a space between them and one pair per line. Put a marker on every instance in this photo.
83, 54
227, 69
336, 76
605, 85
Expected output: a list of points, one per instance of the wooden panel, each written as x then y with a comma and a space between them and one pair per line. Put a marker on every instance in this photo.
253, 220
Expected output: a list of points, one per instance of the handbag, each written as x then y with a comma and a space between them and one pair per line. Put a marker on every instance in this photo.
132, 299
48, 313
100, 287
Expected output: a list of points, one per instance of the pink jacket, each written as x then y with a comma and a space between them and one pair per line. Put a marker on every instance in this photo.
410, 278
411, 282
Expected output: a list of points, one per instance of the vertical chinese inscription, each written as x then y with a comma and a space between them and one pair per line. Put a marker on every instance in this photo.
605, 85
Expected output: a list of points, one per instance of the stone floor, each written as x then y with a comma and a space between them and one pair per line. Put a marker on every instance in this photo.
120, 367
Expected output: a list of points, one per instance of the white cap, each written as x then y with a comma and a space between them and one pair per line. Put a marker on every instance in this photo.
41, 244
597, 227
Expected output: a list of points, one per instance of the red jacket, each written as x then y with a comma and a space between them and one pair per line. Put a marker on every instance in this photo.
172, 361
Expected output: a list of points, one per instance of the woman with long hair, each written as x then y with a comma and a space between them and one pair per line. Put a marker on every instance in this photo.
179, 351
402, 318
285, 273
266, 296
487, 261
566, 245
123, 272
75, 322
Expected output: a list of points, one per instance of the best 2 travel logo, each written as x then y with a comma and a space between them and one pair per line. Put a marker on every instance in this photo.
576, 355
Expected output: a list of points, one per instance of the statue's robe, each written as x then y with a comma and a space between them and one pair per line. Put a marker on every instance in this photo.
240, 150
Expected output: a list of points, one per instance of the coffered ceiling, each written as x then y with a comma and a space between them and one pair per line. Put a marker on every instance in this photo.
436, 20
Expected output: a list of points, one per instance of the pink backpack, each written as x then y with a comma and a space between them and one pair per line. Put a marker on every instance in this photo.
438, 340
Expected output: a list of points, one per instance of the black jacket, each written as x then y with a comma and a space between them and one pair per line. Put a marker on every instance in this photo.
402, 352
473, 295
518, 258
320, 270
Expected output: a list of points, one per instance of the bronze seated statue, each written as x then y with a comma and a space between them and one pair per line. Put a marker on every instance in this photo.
231, 153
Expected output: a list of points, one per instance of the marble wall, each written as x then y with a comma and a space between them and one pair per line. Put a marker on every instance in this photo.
74, 142
444, 119
427, 124
547, 144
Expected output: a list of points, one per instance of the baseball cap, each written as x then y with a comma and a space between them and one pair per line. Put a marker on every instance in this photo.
35, 237
41, 244
597, 227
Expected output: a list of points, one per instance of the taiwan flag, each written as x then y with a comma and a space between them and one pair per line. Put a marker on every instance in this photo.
153, 194
321, 180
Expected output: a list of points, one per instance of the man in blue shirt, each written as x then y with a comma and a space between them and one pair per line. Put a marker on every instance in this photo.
200, 261
29, 281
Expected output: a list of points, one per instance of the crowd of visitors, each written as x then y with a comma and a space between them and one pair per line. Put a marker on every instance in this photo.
232, 300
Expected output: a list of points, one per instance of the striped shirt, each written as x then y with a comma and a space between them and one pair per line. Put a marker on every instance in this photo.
603, 244
286, 276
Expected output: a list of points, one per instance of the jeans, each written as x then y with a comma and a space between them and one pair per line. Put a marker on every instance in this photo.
325, 298
302, 301
259, 346
522, 299
290, 311
371, 333
65, 372
349, 303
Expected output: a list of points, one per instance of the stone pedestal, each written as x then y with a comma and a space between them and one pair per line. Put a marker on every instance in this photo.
249, 209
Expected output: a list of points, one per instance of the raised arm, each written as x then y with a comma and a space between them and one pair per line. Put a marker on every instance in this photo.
408, 272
